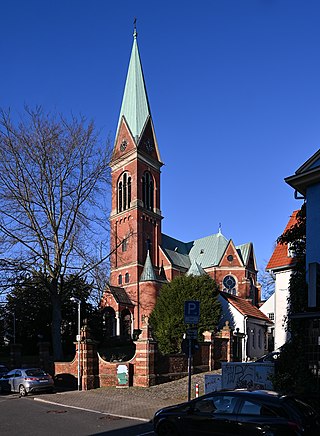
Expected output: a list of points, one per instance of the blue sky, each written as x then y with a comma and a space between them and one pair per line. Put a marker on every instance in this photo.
233, 87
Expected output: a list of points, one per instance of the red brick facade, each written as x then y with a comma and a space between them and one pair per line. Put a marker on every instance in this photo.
136, 221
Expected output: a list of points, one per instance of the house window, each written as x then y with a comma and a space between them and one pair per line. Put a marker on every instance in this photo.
253, 332
124, 192
126, 278
120, 279
147, 190
271, 316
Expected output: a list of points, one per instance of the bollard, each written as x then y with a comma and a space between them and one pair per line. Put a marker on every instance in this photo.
197, 390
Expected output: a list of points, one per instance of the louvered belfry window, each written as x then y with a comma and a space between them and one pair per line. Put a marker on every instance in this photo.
124, 192
147, 190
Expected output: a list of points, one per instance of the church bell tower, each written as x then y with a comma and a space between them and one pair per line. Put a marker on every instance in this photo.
135, 169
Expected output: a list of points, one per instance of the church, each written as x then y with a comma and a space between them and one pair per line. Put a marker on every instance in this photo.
143, 258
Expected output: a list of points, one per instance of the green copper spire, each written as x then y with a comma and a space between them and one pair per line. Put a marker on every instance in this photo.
148, 274
135, 106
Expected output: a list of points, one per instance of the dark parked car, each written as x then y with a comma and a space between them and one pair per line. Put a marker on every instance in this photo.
3, 370
238, 412
26, 380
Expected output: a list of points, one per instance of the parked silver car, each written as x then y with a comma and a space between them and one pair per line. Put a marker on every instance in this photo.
26, 380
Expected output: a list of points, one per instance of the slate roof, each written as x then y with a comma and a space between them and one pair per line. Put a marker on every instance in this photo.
206, 252
120, 295
280, 258
245, 307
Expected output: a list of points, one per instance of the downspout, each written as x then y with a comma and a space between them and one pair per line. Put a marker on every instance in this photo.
245, 342
138, 302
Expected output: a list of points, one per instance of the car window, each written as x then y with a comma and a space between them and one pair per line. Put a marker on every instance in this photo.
253, 408
249, 408
216, 404
35, 372
11, 373
205, 405
18, 374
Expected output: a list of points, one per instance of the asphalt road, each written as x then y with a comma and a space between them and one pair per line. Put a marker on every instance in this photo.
28, 417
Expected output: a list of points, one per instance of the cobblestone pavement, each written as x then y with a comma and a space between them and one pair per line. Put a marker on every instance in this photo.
132, 402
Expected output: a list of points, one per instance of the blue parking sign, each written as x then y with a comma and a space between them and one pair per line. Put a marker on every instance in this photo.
191, 311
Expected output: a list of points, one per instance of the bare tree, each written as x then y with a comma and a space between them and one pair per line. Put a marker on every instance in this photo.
53, 184
267, 281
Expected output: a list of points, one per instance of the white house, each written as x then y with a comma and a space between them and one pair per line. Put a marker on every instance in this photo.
249, 324
268, 309
280, 264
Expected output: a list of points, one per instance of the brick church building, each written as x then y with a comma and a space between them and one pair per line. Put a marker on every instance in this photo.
143, 258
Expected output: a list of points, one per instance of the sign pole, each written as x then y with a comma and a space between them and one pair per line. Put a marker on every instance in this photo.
191, 316
189, 369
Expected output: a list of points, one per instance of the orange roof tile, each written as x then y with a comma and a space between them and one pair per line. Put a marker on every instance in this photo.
245, 307
280, 258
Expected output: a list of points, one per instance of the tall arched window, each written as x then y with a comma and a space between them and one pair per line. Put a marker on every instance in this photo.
124, 192
147, 190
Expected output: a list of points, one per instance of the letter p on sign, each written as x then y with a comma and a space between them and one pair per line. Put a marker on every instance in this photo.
191, 312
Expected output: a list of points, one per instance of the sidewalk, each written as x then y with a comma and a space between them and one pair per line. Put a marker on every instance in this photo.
133, 402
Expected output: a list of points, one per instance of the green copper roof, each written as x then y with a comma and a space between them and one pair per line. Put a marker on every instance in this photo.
195, 270
205, 251
201, 253
209, 250
244, 251
148, 274
135, 106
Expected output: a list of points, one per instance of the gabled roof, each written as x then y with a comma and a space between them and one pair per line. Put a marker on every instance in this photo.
206, 252
135, 105
280, 258
245, 307
308, 174
148, 274
120, 295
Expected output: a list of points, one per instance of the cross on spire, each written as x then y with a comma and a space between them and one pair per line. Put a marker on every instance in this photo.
135, 34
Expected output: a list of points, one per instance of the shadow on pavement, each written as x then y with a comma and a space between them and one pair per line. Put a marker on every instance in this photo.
135, 430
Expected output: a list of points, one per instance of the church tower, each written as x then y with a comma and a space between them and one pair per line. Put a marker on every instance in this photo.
135, 216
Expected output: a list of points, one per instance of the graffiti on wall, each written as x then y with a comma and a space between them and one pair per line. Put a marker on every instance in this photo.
237, 375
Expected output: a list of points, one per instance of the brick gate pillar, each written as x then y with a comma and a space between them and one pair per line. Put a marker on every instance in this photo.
144, 375
89, 360
208, 337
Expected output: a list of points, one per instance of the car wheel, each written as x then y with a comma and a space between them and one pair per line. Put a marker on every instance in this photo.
22, 391
165, 428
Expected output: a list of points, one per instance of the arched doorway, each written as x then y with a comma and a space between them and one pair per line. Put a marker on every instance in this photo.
125, 327
109, 322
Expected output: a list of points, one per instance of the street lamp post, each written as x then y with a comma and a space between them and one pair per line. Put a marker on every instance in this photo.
76, 300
